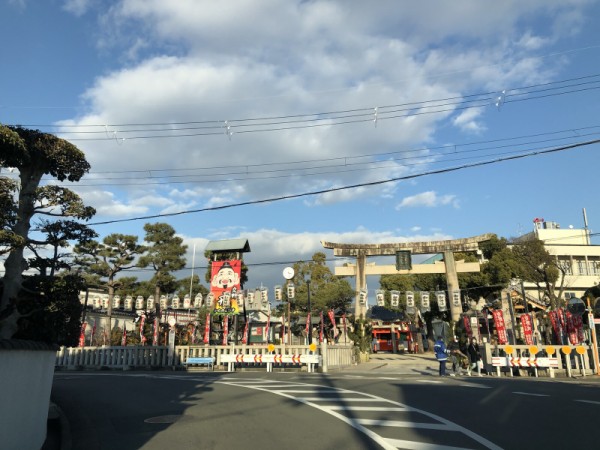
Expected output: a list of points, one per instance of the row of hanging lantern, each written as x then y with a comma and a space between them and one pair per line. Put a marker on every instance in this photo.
411, 304
129, 303
252, 298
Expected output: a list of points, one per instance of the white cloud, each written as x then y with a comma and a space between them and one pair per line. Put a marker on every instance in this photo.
429, 199
466, 120
78, 7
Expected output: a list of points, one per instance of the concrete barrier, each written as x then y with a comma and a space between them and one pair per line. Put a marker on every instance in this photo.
26, 371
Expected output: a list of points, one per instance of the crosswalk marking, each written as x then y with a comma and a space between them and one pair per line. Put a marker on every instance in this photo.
345, 401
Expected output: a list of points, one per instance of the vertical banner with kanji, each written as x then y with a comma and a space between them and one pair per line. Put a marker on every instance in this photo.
93, 333
155, 332
246, 329
554, 320
82, 335
321, 327
500, 326
225, 329
527, 328
207, 329
224, 285
267, 327
331, 315
467, 324
124, 337
308, 325
142, 322
572, 329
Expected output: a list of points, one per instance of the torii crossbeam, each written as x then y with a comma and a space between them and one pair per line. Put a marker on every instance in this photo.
449, 266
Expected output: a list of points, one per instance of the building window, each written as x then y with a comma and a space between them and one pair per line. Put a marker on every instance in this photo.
565, 265
582, 268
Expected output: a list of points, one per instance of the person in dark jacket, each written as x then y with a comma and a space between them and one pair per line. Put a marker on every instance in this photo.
441, 354
474, 355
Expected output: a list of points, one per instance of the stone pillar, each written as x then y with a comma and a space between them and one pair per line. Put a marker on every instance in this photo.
452, 281
361, 283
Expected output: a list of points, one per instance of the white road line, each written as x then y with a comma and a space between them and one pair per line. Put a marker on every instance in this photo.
308, 391
362, 424
531, 394
405, 424
413, 445
430, 381
365, 408
321, 399
588, 401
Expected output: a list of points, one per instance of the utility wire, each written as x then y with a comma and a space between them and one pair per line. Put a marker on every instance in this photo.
366, 184
349, 116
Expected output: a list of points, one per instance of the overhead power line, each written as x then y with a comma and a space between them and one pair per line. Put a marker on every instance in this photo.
354, 186
229, 127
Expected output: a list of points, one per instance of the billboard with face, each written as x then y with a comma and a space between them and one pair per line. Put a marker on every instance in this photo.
224, 285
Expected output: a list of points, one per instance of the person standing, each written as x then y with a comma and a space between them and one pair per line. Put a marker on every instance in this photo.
441, 354
474, 355
455, 356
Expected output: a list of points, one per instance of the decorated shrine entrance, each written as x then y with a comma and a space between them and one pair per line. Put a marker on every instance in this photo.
403, 253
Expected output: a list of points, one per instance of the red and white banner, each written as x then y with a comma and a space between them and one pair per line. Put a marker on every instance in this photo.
572, 329
142, 322
267, 327
93, 333
155, 332
331, 315
193, 336
308, 324
207, 329
246, 328
527, 328
467, 324
578, 322
82, 335
555, 321
321, 327
225, 329
500, 326
124, 337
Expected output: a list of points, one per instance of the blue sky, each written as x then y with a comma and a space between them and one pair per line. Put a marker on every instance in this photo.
192, 105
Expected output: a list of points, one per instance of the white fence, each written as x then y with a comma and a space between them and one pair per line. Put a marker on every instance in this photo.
128, 357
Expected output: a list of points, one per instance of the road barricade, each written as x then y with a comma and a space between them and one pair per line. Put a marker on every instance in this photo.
270, 359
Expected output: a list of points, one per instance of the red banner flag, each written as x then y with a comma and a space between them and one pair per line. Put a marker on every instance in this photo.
225, 329
321, 327
267, 328
207, 330
500, 326
468, 326
155, 332
572, 329
308, 325
527, 328
142, 323
124, 338
93, 333
578, 322
246, 329
555, 324
82, 335
331, 315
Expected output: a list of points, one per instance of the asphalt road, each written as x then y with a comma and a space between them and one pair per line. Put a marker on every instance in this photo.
358, 410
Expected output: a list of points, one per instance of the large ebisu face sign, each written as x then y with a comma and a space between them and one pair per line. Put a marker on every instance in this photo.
224, 285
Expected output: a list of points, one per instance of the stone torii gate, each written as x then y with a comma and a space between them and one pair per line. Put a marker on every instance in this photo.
449, 266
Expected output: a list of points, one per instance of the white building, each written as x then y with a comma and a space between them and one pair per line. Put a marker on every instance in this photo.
573, 250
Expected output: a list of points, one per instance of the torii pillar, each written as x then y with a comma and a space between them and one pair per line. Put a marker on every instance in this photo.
450, 267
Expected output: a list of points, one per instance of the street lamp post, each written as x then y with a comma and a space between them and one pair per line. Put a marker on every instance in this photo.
309, 318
